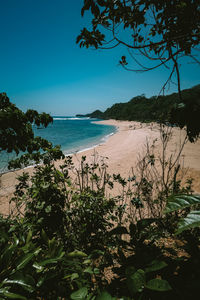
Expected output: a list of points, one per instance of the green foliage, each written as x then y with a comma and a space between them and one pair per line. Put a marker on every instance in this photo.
16, 133
95, 114
166, 29
186, 113
105, 296
40, 261
158, 285
155, 31
139, 269
136, 282
165, 109
32, 268
90, 217
50, 203
81, 294
181, 203
192, 220
63, 235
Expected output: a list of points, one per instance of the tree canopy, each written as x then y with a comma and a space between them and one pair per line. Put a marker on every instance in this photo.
16, 133
160, 109
161, 31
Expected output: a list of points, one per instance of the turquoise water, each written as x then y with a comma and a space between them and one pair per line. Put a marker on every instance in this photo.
73, 134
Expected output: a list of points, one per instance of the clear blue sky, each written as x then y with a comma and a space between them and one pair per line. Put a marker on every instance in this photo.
41, 67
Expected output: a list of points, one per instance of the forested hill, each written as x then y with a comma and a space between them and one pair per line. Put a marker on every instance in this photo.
96, 114
155, 108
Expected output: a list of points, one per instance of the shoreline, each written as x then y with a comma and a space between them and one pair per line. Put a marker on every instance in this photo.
102, 141
74, 152
122, 150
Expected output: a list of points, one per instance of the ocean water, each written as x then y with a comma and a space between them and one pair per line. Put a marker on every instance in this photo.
73, 134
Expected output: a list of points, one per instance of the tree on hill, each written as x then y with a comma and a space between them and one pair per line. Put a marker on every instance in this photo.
160, 31
164, 109
96, 114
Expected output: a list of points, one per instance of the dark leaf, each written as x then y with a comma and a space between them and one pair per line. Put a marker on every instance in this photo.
119, 230
158, 285
80, 294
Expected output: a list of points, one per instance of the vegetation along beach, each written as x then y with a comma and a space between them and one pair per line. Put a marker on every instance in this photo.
100, 150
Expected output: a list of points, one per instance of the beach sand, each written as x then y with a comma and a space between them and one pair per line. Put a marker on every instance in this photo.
122, 150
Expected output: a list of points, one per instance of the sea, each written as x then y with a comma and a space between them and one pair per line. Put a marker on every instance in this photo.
73, 134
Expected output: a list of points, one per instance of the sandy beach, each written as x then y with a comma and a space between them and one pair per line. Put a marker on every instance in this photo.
122, 150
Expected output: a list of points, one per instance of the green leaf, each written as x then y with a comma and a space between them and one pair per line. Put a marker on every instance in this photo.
25, 260
192, 220
41, 281
29, 237
74, 276
20, 282
158, 285
89, 270
50, 261
90, 297
80, 294
10, 295
52, 244
76, 254
5, 258
87, 261
96, 271
48, 209
59, 173
16, 240
45, 278
155, 266
180, 202
136, 282
104, 296
44, 236
38, 267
